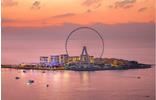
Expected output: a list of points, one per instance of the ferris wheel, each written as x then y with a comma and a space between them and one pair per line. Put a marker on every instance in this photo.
88, 28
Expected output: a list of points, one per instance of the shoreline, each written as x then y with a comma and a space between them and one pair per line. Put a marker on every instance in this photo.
76, 69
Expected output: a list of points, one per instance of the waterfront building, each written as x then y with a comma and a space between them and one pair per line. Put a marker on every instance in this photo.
98, 61
114, 62
91, 59
63, 59
73, 59
76, 59
22, 65
54, 60
44, 60
83, 58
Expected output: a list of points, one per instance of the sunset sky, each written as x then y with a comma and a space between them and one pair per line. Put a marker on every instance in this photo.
32, 28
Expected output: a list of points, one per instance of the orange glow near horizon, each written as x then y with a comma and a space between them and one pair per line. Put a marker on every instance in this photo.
19, 13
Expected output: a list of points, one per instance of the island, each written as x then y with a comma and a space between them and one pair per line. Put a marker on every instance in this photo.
84, 62
102, 64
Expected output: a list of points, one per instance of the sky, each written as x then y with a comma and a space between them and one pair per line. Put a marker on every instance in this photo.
34, 28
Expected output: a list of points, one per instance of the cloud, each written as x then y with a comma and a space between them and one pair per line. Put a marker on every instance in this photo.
128, 6
92, 4
111, 6
142, 9
63, 15
99, 5
43, 21
36, 5
123, 4
88, 11
95, 3
57, 17
7, 20
9, 3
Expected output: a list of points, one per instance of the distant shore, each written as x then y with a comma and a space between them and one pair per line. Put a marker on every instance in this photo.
101, 67
33, 68
141, 66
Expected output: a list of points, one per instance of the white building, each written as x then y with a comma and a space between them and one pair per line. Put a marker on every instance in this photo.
63, 59
44, 60
54, 60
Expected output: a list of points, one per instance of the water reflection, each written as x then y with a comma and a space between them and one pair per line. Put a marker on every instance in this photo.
21, 73
85, 77
66, 76
70, 85
56, 77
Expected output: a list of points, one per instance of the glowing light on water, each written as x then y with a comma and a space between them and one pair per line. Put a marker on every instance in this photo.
66, 76
57, 77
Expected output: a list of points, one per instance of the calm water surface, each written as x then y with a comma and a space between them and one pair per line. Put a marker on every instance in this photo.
70, 85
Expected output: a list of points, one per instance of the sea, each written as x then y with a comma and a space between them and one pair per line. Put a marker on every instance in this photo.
132, 84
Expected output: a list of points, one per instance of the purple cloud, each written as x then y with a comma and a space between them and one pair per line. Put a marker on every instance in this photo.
9, 3
123, 4
88, 11
64, 15
36, 5
99, 5
7, 20
59, 16
91, 2
142, 9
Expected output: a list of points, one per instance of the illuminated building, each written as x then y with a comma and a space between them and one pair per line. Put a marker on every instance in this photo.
63, 59
74, 59
60, 60
44, 60
22, 65
98, 61
83, 58
114, 62
54, 60
91, 59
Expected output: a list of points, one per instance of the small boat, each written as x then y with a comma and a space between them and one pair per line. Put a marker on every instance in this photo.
30, 81
47, 85
24, 71
147, 96
17, 78
138, 77
43, 71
